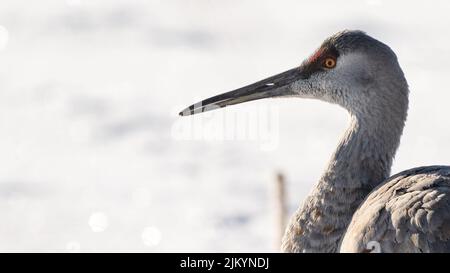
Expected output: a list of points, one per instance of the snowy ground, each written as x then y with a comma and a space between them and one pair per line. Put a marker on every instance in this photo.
94, 158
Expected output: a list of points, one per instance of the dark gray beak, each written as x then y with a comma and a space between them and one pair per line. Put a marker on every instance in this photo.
275, 86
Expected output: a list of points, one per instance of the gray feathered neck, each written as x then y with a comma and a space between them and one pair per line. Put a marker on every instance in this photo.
364, 155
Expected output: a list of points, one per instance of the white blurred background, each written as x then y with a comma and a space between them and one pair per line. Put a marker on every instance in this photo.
89, 96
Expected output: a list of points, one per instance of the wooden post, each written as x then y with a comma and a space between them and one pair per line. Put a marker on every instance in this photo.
280, 206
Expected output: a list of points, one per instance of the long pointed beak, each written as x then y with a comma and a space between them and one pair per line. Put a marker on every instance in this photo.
275, 86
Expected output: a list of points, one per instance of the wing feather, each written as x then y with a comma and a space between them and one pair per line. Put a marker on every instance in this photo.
410, 212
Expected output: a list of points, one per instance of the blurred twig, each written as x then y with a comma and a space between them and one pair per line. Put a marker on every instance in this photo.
280, 206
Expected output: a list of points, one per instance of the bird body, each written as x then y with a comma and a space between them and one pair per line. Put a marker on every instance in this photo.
355, 207
410, 212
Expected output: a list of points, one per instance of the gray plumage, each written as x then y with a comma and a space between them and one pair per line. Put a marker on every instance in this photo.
375, 93
355, 206
408, 213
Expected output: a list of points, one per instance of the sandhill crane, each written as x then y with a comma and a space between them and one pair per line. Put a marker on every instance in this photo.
355, 206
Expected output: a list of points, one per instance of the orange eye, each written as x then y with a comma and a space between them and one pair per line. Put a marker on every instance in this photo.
329, 62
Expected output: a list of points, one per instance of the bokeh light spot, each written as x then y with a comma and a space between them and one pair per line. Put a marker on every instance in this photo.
98, 221
4, 37
151, 236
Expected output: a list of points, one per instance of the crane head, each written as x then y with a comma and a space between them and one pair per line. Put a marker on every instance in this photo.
350, 69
